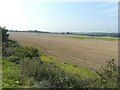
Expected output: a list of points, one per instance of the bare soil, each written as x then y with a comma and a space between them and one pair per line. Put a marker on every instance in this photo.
89, 53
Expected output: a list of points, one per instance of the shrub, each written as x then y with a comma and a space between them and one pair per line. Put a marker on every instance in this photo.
31, 52
4, 34
30, 67
108, 75
26, 52
50, 76
14, 59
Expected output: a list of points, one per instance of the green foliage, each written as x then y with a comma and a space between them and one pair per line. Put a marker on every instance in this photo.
14, 52
12, 76
108, 75
14, 59
95, 34
26, 52
0, 72
50, 76
4, 34
30, 67
3, 38
31, 52
111, 69
82, 72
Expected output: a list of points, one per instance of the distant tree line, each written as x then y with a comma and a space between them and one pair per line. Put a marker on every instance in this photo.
36, 31
98, 34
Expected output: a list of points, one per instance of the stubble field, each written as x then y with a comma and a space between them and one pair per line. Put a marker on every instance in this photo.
90, 53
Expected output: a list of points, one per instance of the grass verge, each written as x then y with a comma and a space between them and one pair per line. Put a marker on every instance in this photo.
92, 38
12, 76
82, 72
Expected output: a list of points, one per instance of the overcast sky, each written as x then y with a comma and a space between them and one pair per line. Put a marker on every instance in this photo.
59, 16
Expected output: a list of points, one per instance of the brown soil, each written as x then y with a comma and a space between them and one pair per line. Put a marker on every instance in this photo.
90, 53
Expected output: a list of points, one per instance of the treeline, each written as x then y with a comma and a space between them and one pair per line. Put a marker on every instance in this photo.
101, 34
35, 31
98, 34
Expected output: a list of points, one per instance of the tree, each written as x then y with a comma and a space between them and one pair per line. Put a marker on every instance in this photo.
4, 39
68, 33
5, 35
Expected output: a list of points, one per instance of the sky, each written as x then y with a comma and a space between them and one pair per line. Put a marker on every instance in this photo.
59, 16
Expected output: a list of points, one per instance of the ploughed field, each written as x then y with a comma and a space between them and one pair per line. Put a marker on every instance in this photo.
91, 53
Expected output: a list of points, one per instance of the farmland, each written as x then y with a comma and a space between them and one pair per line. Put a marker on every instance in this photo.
86, 52
48, 61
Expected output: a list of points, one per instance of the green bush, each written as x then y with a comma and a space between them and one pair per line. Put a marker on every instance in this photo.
4, 34
26, 52
14, 59
15, 52
31, 52
50, 76
108, 75
30, 67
